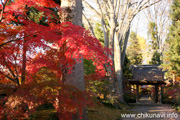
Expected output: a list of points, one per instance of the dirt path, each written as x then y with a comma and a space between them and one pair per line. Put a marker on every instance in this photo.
148, 110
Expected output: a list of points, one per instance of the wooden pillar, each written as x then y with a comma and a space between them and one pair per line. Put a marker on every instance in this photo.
137, 93
156, 93
160, 94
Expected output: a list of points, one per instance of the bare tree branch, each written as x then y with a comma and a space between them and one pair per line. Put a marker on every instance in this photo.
92, 8
89, 24
147, 6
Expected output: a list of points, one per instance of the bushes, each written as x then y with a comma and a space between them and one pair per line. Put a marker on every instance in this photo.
29, 98
130, 97
178, 100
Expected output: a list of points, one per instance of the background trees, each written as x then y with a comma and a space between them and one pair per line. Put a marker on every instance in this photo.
116, 16
155, 43
134, 50
157, 20
172, 59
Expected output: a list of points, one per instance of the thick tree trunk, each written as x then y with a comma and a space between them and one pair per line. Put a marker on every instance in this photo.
72, 11
111, 43
126, 37
118, 71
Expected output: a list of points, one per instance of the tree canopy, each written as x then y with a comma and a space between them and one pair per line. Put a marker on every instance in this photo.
134, 50
172, 59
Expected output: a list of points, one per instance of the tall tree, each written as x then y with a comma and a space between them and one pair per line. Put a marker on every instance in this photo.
156, 18
119, 15
134, 50
155, 43
144, 49
172, 64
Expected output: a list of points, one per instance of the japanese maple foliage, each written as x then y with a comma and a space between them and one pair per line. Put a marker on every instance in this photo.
31, 39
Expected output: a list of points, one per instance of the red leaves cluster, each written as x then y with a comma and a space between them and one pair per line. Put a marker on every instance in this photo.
66, 99
55, 46
171, 93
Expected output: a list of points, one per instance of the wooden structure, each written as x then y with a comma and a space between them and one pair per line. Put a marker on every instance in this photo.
148, 75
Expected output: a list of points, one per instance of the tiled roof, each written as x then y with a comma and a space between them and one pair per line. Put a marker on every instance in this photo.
149, 73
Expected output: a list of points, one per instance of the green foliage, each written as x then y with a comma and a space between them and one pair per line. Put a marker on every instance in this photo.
35, 15
100, 88
155, 60
9, 2
111, 103
39, 17
175, 10
134, 50
126, 68
89, 68
172, 57
99, 33
153, 33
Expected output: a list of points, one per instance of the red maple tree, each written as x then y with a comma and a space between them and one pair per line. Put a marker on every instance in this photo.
32, 39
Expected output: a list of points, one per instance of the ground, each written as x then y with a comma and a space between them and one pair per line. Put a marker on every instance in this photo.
145, 110
148, 110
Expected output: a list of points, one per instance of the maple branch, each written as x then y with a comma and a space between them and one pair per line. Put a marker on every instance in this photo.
17, 39
7, 76
1, 45
9, 69
2, 11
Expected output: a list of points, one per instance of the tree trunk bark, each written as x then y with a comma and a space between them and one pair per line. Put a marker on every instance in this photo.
72, 12
118, 70
23, 73
105, 32
74, 15
126, 37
